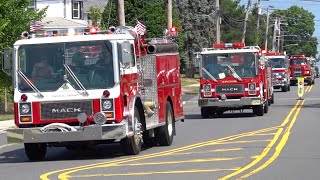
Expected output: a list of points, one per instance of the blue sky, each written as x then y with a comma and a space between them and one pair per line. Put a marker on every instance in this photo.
312, 6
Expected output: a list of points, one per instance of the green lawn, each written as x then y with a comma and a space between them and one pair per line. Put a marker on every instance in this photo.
4, 117
188, 81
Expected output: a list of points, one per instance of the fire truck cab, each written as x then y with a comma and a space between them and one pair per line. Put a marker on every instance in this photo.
280, 70
234, 76
300, 66
100, 88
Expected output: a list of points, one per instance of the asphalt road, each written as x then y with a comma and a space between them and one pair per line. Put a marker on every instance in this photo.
283, 144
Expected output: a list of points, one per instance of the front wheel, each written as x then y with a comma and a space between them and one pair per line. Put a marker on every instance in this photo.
35, 151
288, 87
258, 110
132, 145
164, 133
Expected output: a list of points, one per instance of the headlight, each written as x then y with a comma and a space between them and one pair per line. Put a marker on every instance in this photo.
252, 88
99, 118
307, 72
25, 109
106, 105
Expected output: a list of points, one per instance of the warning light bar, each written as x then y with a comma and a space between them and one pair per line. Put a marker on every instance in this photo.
173, 31
298, 56
229, 45
273, 54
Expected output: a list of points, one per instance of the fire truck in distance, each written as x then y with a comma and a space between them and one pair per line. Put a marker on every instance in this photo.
301, 66
234, 76
101, 88
280, 70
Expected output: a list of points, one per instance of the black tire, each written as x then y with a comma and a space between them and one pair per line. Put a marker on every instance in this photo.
132, 145
35, 151
313, 82
288, 87
165, 133
258, 110
147, 141
266, 107
205, 112
272, 98
284, 88
309, 82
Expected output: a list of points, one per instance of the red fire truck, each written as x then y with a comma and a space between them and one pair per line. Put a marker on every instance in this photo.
234, 76
128, 90
280, 70
301, 67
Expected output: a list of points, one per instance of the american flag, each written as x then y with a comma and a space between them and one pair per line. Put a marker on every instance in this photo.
140, 28
36, 26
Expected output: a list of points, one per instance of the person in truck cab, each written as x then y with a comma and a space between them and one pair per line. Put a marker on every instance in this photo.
213, 67
247, 67
42, 69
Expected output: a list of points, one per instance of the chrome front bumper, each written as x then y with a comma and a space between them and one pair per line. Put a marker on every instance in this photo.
244, 101
280, 83
86, 133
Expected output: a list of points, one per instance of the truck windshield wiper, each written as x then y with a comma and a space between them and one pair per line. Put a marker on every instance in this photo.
234, 74
74, 77
214, 79
33, 87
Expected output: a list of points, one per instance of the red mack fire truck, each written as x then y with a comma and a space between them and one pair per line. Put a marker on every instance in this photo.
280, 70
300, 66
234, 76
101, 88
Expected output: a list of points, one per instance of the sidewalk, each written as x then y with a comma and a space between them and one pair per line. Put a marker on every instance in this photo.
6, 124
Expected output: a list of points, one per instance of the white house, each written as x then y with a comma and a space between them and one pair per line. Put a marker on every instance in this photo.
62, 15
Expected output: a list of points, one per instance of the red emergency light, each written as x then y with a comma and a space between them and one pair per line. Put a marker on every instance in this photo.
298, 56
173, 31
273, 54
229, 45
93, 30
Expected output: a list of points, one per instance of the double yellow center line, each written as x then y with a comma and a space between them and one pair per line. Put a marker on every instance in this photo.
308, 89
274, 148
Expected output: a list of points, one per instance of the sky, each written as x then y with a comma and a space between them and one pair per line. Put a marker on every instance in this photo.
312, 6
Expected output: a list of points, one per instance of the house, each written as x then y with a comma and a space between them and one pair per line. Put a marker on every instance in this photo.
62, 15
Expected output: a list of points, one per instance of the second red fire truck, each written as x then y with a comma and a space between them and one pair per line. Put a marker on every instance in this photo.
280, 70
100, 88
234, 76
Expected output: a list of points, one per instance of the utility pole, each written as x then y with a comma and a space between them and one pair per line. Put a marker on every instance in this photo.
245, 21
267, 28
169, 14
120, 11
258, 23
218, 22
279, 35
274, 38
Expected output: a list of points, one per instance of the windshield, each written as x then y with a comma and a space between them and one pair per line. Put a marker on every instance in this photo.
297, 61
241, 65
44, 65
277, 62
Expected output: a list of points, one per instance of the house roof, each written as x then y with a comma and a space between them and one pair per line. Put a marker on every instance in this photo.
61, 23
95, 3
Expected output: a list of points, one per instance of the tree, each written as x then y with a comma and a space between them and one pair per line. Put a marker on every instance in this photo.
153, 13
95, 15
198, 23
300, 30
14, 19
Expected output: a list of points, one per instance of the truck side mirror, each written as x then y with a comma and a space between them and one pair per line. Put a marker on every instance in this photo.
7, 58
125, 54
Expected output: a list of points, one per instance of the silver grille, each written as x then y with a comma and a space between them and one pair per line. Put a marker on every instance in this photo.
65, 110
230, 89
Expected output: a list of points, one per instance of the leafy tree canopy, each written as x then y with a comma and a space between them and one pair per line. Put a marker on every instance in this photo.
300, 27
14, 19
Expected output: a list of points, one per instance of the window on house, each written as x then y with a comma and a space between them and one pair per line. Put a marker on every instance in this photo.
77, 10
32, 5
